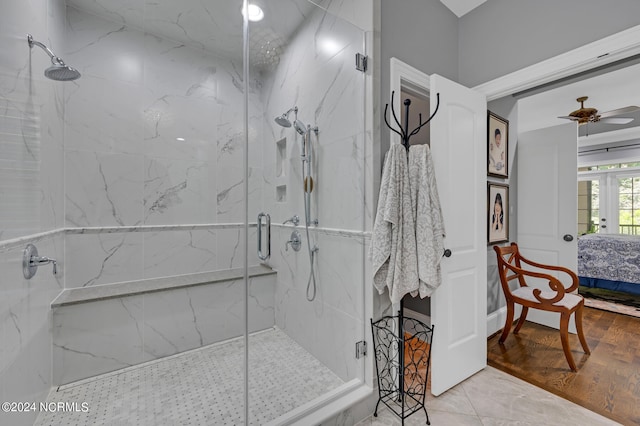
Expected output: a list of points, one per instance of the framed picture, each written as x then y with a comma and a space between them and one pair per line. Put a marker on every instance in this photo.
497, 213
497, 146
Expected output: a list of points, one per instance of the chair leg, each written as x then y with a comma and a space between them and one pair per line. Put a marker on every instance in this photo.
583, 341
523, 317
564, 337
508, 323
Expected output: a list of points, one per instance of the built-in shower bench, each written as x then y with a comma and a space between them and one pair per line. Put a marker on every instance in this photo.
95, 293
103, 328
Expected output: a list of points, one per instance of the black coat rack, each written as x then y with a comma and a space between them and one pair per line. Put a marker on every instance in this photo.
404, 130
406, 135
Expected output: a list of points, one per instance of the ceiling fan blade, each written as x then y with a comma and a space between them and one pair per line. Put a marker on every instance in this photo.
619, 111
568, 117
616, 120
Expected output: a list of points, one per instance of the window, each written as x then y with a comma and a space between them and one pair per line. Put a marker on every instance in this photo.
609, 199
629, 205
588, 206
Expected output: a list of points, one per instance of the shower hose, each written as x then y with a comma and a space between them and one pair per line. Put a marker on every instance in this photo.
308, 187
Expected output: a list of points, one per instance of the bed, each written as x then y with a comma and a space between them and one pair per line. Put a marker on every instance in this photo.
610, 262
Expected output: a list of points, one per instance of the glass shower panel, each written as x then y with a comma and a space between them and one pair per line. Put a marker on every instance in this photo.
306, 171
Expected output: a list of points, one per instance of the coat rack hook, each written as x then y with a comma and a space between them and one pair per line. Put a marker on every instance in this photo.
404, 130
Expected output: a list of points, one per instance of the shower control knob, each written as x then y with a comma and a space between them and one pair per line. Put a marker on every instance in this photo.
295, 241
447, 253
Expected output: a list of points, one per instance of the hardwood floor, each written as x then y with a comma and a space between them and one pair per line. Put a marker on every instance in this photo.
607, 381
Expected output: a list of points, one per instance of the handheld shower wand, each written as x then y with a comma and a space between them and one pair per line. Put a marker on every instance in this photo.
307, 163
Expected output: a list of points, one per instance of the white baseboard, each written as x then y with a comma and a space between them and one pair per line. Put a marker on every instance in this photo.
496, 319
417, 315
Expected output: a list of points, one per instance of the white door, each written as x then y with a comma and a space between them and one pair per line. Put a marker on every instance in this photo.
548, 202
459, 305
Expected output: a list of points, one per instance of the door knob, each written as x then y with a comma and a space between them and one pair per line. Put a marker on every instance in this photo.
568, 237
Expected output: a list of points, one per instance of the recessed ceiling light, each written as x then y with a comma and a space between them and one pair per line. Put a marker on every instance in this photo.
255, 12
180, 139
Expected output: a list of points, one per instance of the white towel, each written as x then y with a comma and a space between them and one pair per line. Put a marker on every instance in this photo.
428, 215
393, 242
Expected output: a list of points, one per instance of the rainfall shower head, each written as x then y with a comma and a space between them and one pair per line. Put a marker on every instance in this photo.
58, 71
283, 120
61, 72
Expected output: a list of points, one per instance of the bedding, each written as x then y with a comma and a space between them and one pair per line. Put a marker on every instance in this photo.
610, 261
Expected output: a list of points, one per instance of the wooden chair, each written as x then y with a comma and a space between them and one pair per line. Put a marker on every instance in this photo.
556, 299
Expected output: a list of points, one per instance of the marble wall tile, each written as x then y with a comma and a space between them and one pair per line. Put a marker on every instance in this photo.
130, 12
357, 12
329, 326
29, 117
327, 333
171, 323
183, 93
104, 48
331, 104
25, 327
179, 252
179, 127
230, 250
340, 274
93, 259
189, 318
30, 169
97, 337
103, 189
176, 69
340, 183
185, 21
175, 191
52, 161
104, 115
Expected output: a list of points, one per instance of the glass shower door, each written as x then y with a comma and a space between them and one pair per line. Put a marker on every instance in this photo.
306, 171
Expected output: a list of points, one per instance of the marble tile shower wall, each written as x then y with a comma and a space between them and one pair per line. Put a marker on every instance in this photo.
31, 158
317, 74
125, 167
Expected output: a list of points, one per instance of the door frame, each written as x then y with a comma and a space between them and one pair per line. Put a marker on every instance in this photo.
615, 47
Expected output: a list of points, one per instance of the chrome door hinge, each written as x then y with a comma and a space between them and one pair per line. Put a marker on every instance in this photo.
361, 349
361, 62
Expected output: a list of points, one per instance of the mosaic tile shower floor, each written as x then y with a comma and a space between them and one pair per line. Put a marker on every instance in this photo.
200, 387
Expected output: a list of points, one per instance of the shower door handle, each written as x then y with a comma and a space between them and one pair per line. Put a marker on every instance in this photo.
266, 254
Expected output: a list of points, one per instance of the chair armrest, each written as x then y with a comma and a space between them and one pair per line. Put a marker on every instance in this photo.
574, 278
554, 284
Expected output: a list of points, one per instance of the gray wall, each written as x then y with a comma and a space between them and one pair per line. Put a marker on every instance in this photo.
423, 34
502, 36
507, 108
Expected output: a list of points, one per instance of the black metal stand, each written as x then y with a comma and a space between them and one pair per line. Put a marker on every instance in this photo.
405, 135
402, 376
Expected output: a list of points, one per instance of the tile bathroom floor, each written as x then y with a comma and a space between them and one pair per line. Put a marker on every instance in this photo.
204, 387
494, 398
200, 387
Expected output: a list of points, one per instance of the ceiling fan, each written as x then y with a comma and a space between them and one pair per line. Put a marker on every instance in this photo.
591, 115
